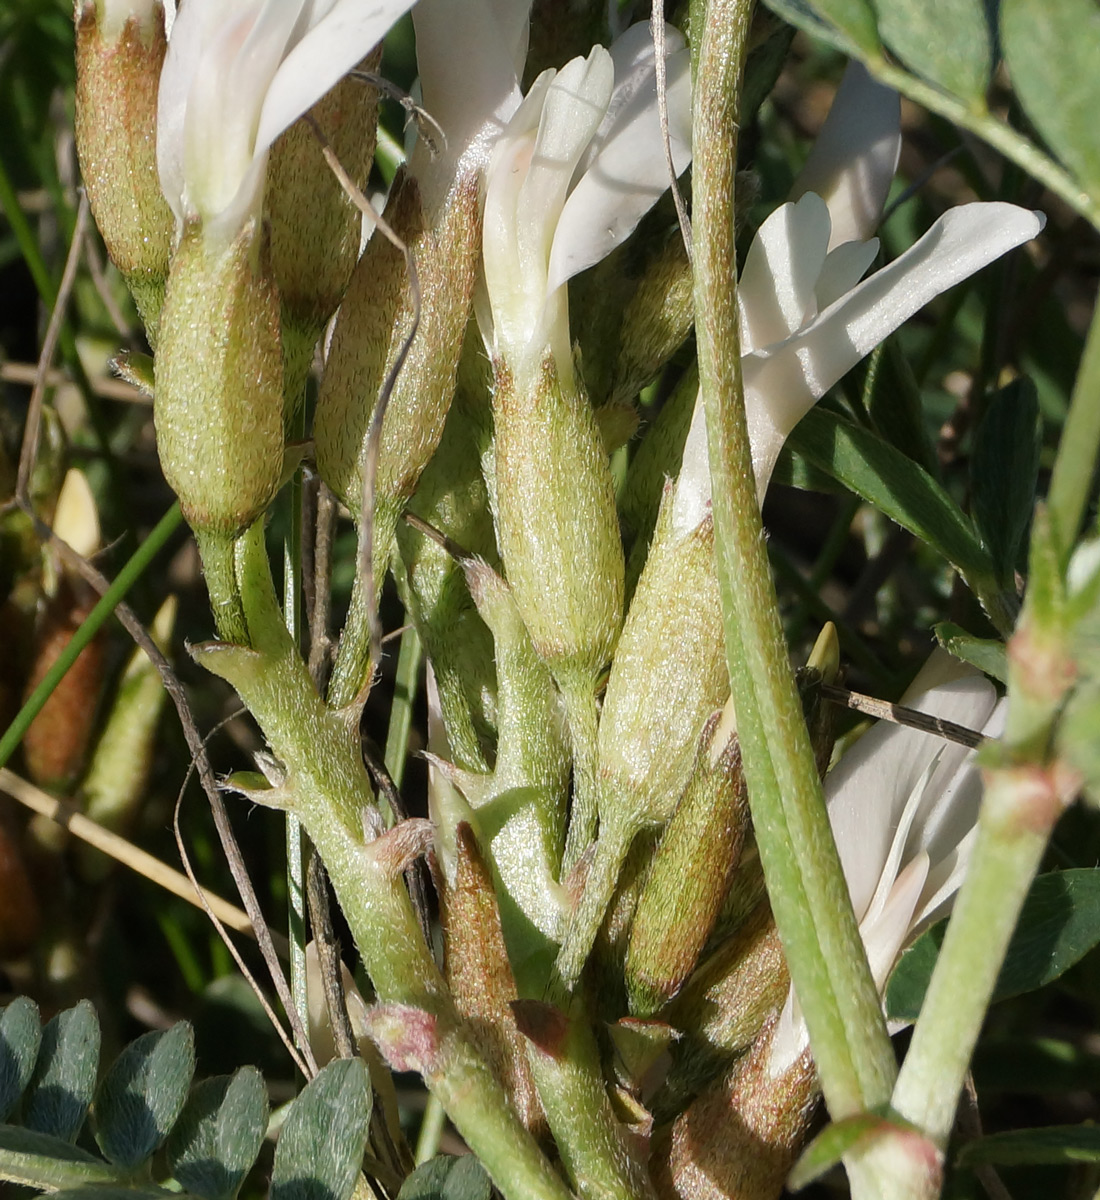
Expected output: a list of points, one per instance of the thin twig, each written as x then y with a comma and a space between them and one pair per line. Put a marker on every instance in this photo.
32, 429
416, 112
328, 957
122, 850
109, 389
374, 433
436, 535
319, 644
898, 714
657, 29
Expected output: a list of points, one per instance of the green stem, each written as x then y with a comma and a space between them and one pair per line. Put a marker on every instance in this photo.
353, 652
997, 133
1006, 856
326, 785
219, 565
406, 684
127, 577
579, 696
431, 1131
599, 887
1071, 480
805, 881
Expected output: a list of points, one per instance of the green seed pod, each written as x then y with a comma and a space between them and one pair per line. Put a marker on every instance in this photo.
689, 876
668, 677
219, 385
315, 227
374, 320
117, 81
114, 785
556, 522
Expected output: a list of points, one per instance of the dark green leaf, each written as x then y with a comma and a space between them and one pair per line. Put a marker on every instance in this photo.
447, 1177
20, 1035
64, 1078
1056, 1145
946, 41
219, 1134
320, 1150
142, 1094
849, 25
1052, 48
892, 398
117, 1192
831, 1144
1033, 1066
1003, 471
41, 1161
1059, 924
872, 468
987, 654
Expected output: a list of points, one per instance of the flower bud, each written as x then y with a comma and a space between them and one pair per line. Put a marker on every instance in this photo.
480, 976
120, 49
690, 874
374, 320
219, 385
315, 227
556, 521
20, 911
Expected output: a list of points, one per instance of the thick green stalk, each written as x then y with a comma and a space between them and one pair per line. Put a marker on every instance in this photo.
1075, 466
1018, 811
805, 881
325, 783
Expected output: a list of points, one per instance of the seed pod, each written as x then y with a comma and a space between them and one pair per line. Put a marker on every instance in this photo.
20, 914
114, 785
689, 876
56, 744
118, 66
218, 409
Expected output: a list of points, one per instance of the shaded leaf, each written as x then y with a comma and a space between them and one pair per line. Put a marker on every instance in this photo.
20, 1035
1004, 468
117, 1192
987, 654
320, 1150
1057, 1145
45, 1162
1052, 48
946, 41
447, 1177
849, 25
219, 1134
64, 1077
872, 468
142, 1094
1059, 924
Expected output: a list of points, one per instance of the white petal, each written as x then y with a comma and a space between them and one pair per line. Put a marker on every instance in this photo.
885, 935
470, 54
624, 172
868, 789
844, 267
776, 290
339, 39
691, 503
790, 1037
783, 381
855, 155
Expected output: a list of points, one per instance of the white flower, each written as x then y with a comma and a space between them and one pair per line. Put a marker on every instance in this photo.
806, 319
577, 167
903, 805
470, 54
237, 74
